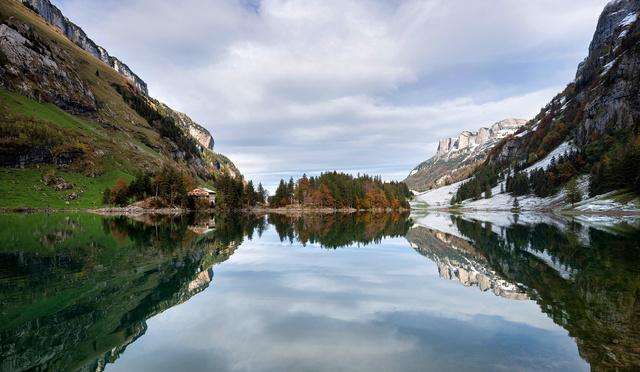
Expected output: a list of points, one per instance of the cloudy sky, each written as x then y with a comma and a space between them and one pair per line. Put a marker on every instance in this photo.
293, 86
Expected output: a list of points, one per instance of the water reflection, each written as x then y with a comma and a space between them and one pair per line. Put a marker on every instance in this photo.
76, 290
587, 280
340, 230
459, 260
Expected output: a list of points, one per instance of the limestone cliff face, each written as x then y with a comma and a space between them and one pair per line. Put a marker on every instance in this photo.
468, 139
54, 16
29, 57
457, 157
197, 131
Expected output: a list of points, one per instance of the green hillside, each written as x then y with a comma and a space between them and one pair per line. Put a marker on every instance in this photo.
70, 125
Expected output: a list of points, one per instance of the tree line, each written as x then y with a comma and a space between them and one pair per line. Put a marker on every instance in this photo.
169, 187
339, 190
541, 182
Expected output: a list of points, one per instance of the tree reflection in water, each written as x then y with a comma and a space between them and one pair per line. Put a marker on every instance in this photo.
76, 289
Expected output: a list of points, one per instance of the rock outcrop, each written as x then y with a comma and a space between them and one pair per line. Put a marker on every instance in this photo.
197, 131
23, 54
54, 16
457, 157
468, 139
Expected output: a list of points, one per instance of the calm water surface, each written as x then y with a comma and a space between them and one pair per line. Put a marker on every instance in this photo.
322, 293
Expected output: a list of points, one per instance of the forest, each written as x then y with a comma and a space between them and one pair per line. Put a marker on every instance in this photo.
611, 160
341, 191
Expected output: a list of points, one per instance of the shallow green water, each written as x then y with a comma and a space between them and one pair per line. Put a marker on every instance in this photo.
366, 292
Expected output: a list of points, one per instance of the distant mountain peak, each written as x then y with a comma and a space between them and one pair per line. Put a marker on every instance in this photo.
468, 140
458, 156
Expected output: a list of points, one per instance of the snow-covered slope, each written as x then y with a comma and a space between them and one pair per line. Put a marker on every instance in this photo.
440, 198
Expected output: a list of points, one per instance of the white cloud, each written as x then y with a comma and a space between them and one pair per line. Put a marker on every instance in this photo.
302, 85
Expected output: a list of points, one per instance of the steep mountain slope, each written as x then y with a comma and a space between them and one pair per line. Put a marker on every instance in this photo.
54, 17
588, 133
67, 109
457, 157
602, 99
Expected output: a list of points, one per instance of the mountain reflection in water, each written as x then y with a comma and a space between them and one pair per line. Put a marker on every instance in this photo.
77, 289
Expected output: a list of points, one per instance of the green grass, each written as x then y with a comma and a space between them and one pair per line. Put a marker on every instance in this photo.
24, 188
22, 105
625, 196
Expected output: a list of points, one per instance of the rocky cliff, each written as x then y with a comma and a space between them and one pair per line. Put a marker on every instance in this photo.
54, 16
457, 157
101, 123
603, 98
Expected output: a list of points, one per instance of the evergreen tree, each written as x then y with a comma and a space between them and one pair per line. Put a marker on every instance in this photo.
262, 194
106, 196
250, 197
573, 192
487, 191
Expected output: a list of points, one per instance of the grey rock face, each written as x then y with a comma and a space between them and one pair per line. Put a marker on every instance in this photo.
467, 139
195, 130
31, 70
54, 16
456, 157
613, 25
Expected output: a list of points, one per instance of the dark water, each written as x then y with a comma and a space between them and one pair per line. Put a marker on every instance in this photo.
321, 293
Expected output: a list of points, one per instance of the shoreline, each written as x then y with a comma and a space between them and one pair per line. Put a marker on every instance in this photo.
137, 211
561, 212
133, 211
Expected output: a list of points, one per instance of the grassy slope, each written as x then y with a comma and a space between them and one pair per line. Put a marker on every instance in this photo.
24, 188
128, 142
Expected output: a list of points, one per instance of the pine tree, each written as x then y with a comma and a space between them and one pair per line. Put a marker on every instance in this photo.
573, 195
262, 194
106, 196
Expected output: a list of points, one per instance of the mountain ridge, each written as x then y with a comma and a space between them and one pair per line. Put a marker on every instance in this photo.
457, 157
76, 34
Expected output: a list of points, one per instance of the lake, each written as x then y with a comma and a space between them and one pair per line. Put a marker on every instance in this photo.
365, 292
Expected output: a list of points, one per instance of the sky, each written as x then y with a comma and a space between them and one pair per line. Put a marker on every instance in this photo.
294, 86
